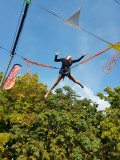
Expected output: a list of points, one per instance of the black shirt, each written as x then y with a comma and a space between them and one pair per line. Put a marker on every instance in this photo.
67, 63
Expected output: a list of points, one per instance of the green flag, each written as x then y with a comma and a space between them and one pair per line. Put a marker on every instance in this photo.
28, 1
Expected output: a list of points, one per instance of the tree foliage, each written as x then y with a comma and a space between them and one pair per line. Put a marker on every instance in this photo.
111, 124
60, 127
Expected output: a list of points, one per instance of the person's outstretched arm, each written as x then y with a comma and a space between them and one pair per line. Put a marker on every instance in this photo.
56, 59
77, 60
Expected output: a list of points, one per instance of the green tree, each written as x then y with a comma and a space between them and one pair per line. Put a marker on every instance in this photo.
59, 127
15, 106
111, 125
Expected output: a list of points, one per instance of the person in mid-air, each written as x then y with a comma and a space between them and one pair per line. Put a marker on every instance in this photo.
65, 70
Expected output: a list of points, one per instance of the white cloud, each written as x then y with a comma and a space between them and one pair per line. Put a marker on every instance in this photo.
87, 93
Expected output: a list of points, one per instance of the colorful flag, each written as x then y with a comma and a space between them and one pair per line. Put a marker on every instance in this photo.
9, 83
28, 1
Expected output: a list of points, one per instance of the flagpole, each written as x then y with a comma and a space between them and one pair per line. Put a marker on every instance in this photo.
15, 44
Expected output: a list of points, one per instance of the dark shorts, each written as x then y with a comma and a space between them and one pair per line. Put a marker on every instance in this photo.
65, 72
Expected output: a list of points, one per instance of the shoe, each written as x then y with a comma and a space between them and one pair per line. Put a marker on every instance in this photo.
82, 86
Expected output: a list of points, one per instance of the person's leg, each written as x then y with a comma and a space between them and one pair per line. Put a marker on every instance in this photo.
53, 86
74, 80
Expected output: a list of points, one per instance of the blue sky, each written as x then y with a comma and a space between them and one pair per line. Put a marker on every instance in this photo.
44, 34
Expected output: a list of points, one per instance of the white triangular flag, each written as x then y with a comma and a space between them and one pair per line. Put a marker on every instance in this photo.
74, 19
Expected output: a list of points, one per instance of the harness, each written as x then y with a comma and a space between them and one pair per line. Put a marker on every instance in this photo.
65, 72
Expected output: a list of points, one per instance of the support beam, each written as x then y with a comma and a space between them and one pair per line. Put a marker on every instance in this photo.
15, 44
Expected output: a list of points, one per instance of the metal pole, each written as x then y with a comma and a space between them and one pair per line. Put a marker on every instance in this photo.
15, 44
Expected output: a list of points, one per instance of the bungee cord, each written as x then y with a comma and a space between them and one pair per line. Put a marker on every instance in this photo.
107, 69
28, 61
38, 64
72, 21
69, 23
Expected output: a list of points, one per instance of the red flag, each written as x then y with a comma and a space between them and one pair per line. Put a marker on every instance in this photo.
12, 77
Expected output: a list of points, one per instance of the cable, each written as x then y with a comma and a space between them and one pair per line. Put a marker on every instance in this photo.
47, 10
71, 24
76, 65
62, 19
94, 35
5, 49
19, 55
117, 1
10, 52
18, 24
22, 56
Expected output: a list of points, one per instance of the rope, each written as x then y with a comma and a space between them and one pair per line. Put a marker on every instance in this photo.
5, 49
110, 65
43, 65
38, 64
117, 1
10, 52
29, 60
75, 65
95, 36
98, 53
73, 26
71, 23
47, 10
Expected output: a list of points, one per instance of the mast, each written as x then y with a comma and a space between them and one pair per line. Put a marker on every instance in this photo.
16, 40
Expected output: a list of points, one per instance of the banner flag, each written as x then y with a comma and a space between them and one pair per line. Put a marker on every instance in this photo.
74, 19
9, 83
